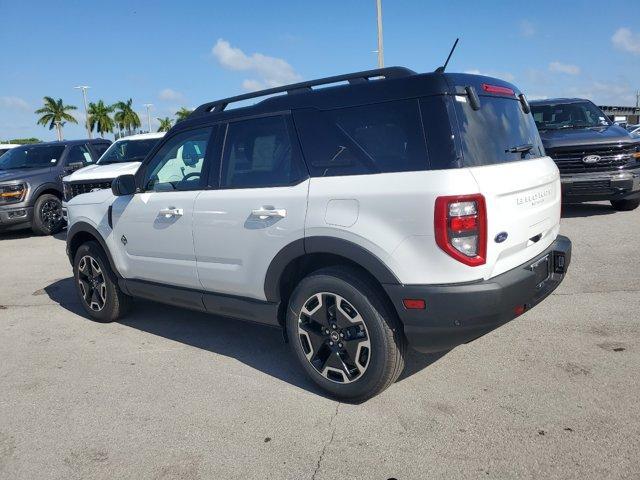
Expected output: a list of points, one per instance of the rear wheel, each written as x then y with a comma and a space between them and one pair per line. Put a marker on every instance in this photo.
345, 336
97, 285
625, 205
47, 215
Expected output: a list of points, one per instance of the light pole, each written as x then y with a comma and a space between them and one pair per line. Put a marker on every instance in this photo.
380, 46
86, 109
148, 105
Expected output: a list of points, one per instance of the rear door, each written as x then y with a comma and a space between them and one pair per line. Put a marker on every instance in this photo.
501, 147
153, 228
256, 208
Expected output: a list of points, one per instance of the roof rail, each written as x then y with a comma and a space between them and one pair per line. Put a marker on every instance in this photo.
357, 77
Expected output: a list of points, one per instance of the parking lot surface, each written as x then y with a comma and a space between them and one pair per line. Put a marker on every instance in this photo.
168, 393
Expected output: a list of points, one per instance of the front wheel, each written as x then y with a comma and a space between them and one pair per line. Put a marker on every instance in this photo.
625, 205
345, 336
97, 284
47, 215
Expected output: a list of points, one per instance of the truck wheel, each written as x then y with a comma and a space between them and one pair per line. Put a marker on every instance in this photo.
47, 215
97, 285
347, 338
625, 205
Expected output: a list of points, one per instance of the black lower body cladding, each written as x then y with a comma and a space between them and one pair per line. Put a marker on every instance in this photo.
459, 313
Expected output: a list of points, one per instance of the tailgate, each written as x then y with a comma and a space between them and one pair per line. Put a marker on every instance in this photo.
523, 201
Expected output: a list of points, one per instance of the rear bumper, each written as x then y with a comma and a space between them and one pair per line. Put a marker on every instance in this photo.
618, 185
15, 217
459, 313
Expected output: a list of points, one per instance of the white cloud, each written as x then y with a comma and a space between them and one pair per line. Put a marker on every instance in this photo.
567, 68
605, 93
527, 29
509, 77
14, 103
624, 39
170, 95
272, 71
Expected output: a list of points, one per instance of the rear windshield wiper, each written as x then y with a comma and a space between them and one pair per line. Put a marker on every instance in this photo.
520, 148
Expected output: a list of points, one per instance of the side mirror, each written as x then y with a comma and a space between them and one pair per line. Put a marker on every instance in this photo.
123, 185
72, 167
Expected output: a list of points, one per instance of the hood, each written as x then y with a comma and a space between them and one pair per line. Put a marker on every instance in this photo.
579, 137
22, 174
103, 172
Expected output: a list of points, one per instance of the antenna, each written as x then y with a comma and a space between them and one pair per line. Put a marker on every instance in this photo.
444, 67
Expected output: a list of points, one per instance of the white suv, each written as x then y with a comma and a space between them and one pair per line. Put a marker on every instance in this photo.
123, 157
393, 209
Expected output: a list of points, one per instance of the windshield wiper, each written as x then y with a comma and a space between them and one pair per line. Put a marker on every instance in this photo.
524, 148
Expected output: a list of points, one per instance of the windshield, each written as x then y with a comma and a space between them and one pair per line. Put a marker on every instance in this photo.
498, 132
128, 151
3, 151
568, 115
32, 156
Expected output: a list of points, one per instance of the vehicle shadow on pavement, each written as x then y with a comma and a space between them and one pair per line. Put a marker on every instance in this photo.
258, 346
580, 210
23, 234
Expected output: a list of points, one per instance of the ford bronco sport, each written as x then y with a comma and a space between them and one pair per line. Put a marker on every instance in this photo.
360, 213
598, 160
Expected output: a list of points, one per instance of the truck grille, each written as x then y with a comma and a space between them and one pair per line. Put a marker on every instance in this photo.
75, 189
612, 157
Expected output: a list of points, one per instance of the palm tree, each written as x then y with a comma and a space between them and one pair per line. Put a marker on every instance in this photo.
126, 118
182, 114
54, 112
99, 118
165, 124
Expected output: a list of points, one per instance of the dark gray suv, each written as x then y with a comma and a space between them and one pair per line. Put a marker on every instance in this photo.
31, 182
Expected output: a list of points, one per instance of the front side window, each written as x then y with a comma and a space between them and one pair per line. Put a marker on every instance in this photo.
568, 115
79, 154
258, 153
178, 165
381, 138
31, 156
128, 151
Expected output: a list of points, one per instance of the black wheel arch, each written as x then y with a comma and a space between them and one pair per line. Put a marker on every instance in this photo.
82, 232
333, 249
45, 188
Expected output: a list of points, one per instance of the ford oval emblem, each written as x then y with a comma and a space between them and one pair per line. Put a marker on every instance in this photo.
501, 237
591, 159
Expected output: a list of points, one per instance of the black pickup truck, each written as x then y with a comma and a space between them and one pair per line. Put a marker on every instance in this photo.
597, 159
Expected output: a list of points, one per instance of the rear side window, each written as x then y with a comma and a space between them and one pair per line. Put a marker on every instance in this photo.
99, 148
259, 153
381, 138
492, 134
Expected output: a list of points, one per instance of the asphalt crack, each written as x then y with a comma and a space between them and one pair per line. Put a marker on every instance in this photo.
326, 445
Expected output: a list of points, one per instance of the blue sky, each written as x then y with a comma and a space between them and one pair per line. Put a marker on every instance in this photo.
184, 53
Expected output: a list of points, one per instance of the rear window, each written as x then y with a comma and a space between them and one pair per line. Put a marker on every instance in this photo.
380, 138
498, 132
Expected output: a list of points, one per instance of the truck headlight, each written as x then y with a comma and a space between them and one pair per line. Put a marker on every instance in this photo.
67, 191
13, 193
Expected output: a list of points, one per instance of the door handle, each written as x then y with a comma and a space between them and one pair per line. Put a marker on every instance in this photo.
264, 213
171, 212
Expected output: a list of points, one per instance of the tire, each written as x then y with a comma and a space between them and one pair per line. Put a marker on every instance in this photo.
47, 215
366, 327
97, 285
625, 205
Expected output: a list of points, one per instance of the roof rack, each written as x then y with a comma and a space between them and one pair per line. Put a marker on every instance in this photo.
352, 78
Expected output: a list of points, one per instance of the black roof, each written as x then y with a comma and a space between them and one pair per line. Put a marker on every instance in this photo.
359, 88
554, 101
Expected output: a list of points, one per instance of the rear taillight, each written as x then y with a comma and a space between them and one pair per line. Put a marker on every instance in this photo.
461, 228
